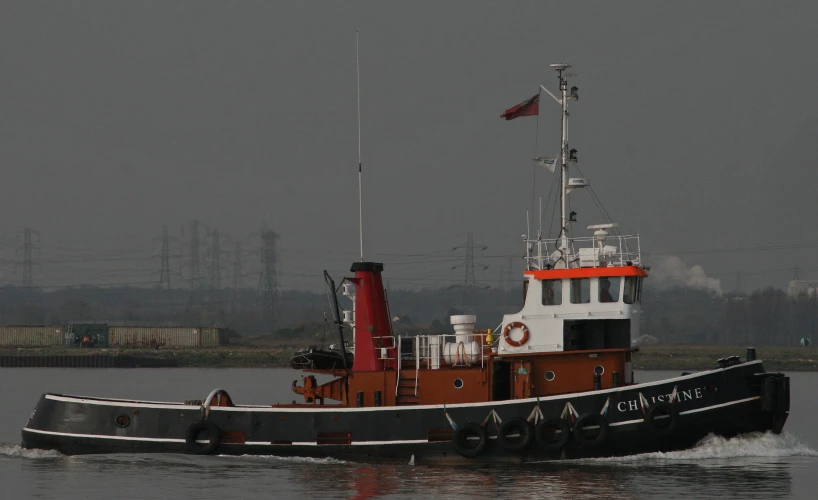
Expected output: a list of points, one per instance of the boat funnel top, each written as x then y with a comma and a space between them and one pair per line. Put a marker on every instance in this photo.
463, 319
372, 267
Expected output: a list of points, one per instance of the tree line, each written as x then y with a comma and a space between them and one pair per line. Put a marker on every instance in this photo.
766, 316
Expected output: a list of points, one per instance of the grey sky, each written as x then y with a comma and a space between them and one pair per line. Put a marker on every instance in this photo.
696, 125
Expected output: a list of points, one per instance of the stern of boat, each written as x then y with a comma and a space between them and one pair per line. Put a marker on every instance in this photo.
774, 394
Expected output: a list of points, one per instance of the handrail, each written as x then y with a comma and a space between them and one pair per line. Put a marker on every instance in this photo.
207, 402
622, 253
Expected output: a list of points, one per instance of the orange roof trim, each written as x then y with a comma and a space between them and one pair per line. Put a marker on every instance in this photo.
586, 272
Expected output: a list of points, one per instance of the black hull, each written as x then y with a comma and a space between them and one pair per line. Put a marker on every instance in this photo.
725, 402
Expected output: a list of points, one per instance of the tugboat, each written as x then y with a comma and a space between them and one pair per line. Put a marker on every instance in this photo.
556, 382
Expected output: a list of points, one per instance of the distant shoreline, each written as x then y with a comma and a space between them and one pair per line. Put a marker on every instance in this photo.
655, 357
703, 357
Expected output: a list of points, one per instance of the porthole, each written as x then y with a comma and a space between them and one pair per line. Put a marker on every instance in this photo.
549, 375
599, 369
458, 383
122, 421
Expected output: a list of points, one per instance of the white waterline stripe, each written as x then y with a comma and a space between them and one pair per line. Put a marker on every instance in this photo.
696, 410
627, 422
271, 408
96, 436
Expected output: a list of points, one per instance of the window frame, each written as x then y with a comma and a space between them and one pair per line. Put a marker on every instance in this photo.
636, 289
579, 281
615, 290
558, 291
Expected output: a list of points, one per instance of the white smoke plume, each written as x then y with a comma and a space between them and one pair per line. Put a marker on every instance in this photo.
670, 270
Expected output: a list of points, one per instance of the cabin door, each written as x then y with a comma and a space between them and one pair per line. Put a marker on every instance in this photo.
522, 379
501, 381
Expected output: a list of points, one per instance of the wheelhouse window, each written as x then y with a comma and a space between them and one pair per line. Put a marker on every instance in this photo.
633, 290
551, 292
609, 289
580, 290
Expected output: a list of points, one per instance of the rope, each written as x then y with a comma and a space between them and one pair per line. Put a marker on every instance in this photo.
602, 210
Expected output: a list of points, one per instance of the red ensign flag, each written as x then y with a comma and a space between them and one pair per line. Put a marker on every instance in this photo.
529, 107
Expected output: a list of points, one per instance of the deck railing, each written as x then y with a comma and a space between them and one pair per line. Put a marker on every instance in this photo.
429, 350
615, 250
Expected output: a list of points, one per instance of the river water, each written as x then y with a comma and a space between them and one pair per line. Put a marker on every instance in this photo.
763, 466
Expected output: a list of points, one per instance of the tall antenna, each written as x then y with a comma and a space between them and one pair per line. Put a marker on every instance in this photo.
360, 188
214, 293
469, 281
194, 261
28, 263
164, 274
238, 282
268, 279
215, 270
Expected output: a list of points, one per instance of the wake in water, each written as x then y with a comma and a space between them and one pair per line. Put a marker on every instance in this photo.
293, 460
711, 447
15, 451
717, 447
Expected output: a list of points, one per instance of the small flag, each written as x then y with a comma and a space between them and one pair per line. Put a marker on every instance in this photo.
549, 162
529, 107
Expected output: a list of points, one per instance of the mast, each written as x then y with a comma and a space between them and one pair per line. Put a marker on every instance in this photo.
560, 68
360, 187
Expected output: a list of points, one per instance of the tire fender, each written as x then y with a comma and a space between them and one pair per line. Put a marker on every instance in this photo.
552, 427
660, 409
512, 426
193, 432
589, 420
464, 441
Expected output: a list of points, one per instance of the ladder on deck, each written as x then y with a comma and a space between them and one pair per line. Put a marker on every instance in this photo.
406, 389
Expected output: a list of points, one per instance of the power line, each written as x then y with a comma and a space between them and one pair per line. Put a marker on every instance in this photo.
164, 274
193, 262
469, 282
215, 271
268, 279
28, 264
238, 282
